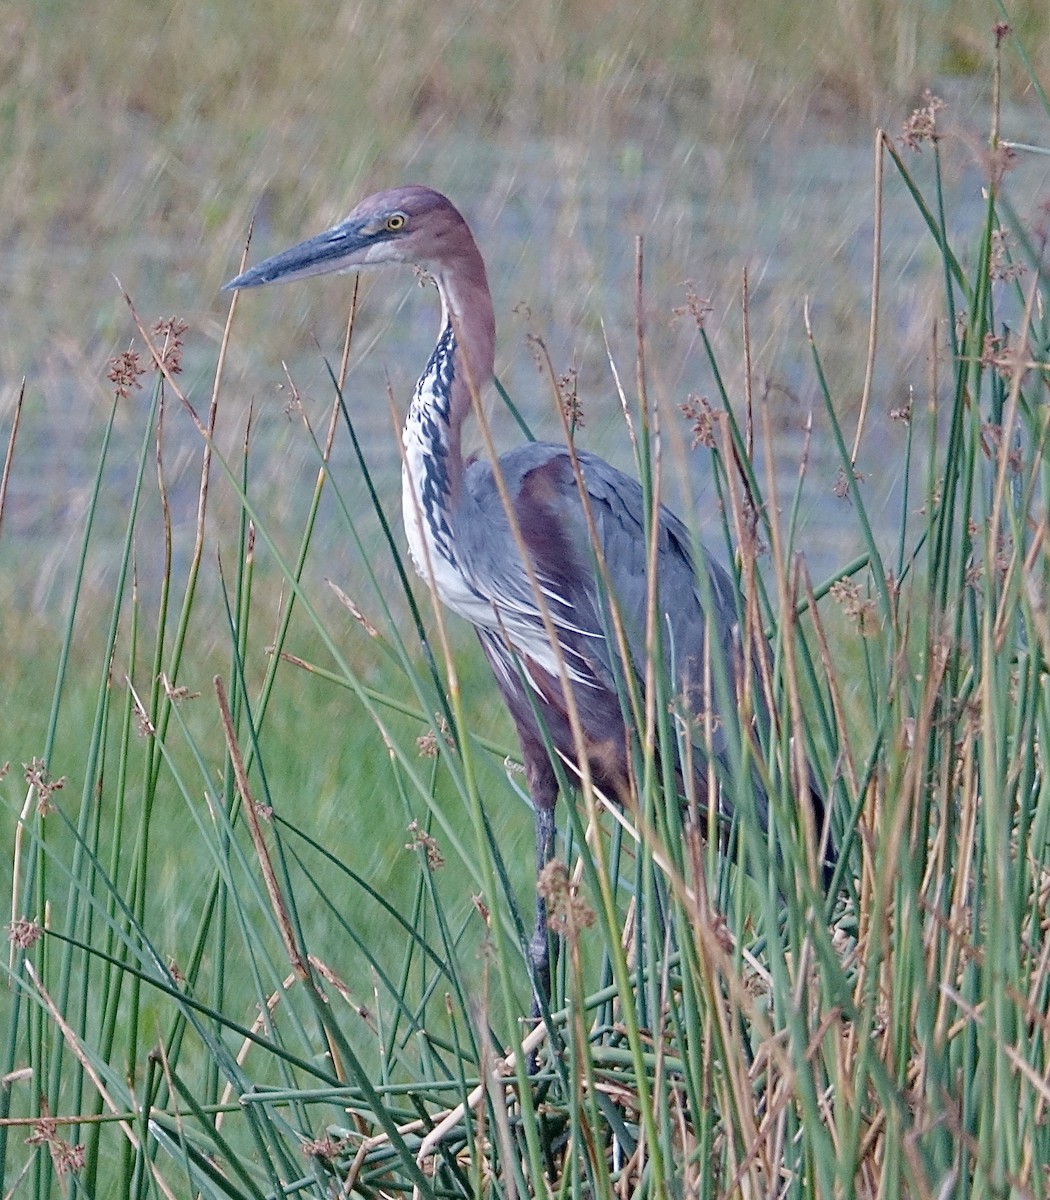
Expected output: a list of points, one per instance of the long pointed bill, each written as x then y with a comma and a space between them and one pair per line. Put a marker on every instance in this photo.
344, 247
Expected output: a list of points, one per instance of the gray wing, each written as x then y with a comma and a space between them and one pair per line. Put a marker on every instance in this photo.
554, 528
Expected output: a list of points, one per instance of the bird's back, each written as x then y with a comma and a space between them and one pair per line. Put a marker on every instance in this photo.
578, 574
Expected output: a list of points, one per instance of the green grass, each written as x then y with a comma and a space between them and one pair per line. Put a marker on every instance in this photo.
237, 981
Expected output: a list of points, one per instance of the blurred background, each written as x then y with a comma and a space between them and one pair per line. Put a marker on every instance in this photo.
139, 142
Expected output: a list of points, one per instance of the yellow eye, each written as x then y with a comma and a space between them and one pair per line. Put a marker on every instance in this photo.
395, 222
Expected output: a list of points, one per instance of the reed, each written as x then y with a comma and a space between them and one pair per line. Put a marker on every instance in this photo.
219, 984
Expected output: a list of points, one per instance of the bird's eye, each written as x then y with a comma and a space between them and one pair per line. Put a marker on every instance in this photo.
396, 222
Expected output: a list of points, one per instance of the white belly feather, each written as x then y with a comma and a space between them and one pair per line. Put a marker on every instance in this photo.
431, 539
431, 545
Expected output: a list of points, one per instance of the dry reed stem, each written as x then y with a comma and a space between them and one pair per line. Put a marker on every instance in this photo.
845, 754
162, 492
251, 812
532, 1041
749, 387
798, 769
754, 648
300, 963
650, 421
619, 629
16, 865
625, 406
497, 1096
876, 276
82, 1056
265, 1013
10, 455
1003, 467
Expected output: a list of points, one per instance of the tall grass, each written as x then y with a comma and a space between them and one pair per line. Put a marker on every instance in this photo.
713, 1031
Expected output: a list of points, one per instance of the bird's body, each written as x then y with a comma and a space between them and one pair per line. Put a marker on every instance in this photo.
495, 593
462, 537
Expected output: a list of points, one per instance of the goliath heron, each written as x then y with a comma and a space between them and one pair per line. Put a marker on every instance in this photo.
461, 536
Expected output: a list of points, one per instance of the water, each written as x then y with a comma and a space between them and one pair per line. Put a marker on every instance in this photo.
557, 222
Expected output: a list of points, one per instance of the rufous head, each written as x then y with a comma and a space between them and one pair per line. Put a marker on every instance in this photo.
410, 224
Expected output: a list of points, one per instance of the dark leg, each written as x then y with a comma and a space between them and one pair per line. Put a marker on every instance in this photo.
539, 947
543, 788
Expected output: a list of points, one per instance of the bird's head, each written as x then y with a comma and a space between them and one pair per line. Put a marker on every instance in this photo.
409, 224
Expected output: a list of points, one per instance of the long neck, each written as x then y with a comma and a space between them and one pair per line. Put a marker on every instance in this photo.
468, 330
462, 362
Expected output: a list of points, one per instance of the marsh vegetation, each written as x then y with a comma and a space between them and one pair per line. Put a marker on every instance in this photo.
271, 856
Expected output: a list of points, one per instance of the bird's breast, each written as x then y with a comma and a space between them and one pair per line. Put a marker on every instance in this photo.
429, 531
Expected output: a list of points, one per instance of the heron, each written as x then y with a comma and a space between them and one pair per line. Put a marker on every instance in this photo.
513, 548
